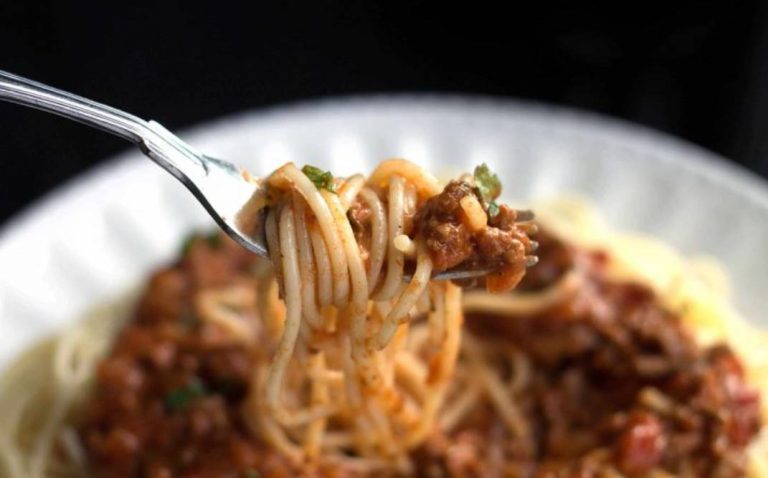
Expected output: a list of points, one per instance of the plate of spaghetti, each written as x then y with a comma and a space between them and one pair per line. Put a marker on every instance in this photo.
619, 333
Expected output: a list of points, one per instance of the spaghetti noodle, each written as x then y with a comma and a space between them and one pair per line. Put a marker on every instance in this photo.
355, 237
194, 381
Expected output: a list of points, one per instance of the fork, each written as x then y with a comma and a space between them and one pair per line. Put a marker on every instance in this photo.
218, 185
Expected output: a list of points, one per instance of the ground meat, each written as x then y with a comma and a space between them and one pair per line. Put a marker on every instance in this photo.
449, 245
447, 237
501, 246
616, 383
359, 215
641, 444
166, 400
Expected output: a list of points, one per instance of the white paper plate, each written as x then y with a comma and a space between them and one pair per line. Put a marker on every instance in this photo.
100, 234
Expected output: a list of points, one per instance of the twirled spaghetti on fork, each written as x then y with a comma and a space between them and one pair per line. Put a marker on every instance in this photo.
339, 250
340, 357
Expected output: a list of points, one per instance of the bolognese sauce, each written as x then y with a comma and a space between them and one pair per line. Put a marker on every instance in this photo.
615, 382
166, 400
455, 236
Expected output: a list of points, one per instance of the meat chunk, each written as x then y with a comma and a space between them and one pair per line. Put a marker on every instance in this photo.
453, 240
641, 444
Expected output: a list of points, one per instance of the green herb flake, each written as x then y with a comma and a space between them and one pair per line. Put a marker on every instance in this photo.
182, 396
187, 244
251, 473
321, 179
487, 182
493, 209
214, 240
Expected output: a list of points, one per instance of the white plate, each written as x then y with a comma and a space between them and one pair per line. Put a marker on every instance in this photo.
100, 234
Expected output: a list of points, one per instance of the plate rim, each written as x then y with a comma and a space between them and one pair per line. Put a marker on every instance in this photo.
673, 155
687, 155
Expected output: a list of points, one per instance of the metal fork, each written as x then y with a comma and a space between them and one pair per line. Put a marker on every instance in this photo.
218, 185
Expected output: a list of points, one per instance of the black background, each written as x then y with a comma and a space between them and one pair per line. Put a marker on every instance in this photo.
696, 70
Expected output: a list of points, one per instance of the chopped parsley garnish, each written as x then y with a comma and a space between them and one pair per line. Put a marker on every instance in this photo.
487, 182
321, 179
213, 239
182, 396
488, 187
493, 208
186, 245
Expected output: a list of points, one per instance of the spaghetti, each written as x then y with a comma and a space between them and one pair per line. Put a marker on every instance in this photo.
193, 382
597, 350
355, 238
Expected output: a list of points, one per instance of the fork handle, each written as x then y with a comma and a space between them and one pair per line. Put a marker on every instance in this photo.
159, 144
